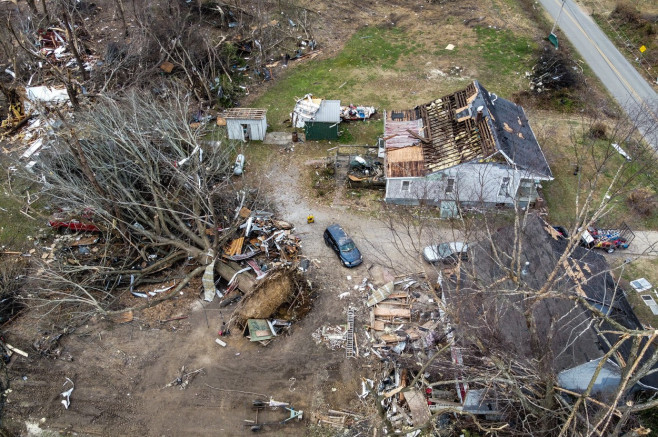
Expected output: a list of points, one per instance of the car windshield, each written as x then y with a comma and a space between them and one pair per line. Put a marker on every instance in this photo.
347, 246
443, 250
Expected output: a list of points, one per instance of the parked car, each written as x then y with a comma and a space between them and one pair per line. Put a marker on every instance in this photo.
446, 252
238, 167
336, 238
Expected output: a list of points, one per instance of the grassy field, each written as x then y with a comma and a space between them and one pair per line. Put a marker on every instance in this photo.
642, 268
556, 134
16, 227
390, 68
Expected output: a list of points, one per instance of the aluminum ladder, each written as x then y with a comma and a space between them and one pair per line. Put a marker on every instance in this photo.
349, 347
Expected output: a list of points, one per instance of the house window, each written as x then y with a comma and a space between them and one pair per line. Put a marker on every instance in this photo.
527, 189
451, 185
504, 188
405, 185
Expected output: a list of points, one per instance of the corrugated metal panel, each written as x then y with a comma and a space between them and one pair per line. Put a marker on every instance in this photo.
321, 131
329, 112
234, 130
257, 129
396, 133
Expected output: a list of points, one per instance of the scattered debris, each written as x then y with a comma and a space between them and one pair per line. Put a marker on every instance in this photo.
184, 379
259, 330
356, 113
334, 336
621, 151
608, 239
67, 394
258, 406
46, 94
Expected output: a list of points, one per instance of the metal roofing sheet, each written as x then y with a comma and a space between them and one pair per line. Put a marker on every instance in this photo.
329, 112
397, 133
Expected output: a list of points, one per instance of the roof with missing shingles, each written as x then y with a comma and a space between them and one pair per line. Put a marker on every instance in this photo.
467, 125
572, 334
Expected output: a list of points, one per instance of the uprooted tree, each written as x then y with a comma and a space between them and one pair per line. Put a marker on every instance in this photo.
533, 313
163, 195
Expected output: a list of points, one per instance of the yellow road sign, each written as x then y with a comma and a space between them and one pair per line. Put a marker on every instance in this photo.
643, 49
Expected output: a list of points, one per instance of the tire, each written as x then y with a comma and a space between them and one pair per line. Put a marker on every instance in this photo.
258, 403
255, 428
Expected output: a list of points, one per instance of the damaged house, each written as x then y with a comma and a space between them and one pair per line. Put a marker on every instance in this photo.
470, 148
540, 335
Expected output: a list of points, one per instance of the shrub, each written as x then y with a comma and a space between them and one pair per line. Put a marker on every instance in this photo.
643, 200
598, 131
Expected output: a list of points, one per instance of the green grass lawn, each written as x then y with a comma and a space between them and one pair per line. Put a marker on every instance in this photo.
561, 193
642, 268
386, 67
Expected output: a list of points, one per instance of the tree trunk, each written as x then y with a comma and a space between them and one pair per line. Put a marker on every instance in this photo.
73, 44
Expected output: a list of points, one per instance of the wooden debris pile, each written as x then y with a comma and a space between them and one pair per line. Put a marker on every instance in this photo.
403, 316
409, 402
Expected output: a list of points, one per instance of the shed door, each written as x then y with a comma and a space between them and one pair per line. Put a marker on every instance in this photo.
246, 131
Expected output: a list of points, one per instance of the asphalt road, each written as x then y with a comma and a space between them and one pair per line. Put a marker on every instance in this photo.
624, 83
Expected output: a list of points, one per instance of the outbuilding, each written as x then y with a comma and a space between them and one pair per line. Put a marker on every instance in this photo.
246, 124
324, 124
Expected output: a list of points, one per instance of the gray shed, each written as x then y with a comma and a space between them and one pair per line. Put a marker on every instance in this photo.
246, 124
324, 125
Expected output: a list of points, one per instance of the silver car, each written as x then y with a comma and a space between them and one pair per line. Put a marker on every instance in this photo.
446, 252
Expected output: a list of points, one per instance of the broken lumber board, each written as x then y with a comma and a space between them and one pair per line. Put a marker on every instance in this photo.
420, 413
380, 294
388, 303
244, 212
84, 241
392, 312
398, 296
391, 338
235, 248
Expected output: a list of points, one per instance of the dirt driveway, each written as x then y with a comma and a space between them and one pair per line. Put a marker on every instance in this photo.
120, 371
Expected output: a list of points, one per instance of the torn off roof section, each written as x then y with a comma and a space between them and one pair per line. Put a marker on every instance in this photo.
467, 125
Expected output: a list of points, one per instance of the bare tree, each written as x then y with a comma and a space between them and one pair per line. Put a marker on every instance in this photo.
145, 177
532, 304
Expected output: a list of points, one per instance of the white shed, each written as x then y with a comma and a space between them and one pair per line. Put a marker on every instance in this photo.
246, 124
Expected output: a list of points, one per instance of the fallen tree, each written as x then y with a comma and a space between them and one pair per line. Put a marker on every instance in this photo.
163, 196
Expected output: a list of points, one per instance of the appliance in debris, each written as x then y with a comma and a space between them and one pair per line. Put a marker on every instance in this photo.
238, 167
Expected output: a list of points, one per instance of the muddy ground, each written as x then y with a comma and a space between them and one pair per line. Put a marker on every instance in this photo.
120, 370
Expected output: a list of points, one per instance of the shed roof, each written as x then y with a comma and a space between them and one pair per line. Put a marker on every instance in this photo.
329, 112
245, 113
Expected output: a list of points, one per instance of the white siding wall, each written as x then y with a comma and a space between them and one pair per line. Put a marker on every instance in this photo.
474, 183
257, 127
